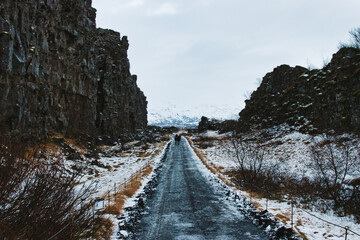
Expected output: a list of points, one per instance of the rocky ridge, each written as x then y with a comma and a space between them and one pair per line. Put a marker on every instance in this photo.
59, 73
313, 100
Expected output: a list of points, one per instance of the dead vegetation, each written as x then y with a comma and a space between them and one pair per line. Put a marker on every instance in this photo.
332, 161
217, 170
129, 188
126, 190
38, 199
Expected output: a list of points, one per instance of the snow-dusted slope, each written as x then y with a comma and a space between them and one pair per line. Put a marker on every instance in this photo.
189, 116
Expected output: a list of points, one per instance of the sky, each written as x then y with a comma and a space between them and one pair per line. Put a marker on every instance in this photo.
195, 52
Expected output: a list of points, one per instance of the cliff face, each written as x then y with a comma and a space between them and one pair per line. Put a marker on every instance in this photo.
316, 100
59, 73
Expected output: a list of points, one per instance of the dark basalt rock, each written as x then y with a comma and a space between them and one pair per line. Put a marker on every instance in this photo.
58, 72
314, 100
216, 125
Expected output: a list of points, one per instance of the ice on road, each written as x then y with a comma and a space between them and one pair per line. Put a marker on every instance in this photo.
185, 205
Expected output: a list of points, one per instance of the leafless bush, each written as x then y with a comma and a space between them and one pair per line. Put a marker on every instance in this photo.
354, 39
249, 157
38, 199
204, 142
332, 161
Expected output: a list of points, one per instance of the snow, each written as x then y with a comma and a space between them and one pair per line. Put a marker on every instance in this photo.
111, 172
123, 168
291, 151
174, 115
210, 134
124, 233
312, 227
131, 201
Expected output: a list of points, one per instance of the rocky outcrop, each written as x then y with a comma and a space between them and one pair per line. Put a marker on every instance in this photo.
59, 73
314, 100
217, 125
120, 106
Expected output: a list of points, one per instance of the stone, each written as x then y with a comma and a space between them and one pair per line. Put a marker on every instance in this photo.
59, 73
313, 100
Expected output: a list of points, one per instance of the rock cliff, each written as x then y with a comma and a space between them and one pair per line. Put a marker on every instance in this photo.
314, 100
60, 73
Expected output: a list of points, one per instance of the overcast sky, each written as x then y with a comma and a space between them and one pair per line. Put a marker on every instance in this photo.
193, 52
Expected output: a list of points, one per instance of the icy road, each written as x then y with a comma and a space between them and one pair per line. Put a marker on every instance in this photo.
186, 205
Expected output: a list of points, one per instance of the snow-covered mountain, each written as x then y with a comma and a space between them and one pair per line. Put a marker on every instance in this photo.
182, 116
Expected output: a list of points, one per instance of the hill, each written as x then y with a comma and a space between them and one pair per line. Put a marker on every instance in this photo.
313, 100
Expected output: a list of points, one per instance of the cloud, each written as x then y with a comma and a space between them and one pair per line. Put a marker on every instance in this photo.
164, 9
214, 50
136, 3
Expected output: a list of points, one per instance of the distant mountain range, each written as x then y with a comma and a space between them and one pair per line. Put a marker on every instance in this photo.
173, 115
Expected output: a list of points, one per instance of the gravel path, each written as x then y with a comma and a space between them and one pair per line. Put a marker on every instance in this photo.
186, 206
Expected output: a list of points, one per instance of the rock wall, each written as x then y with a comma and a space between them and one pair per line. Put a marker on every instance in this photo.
60, 73
314, 100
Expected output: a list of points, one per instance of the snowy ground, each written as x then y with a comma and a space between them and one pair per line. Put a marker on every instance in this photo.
200, 212
114, 169
109, 172
290, 150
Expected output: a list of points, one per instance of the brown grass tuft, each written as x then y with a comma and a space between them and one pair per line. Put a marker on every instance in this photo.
302, 235
126, 191
258, 205
284, 218
102, 229
217, 170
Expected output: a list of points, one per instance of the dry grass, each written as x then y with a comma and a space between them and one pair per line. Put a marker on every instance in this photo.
76, 145
129, 189
144, 154
302, 235
118, 165
102, 229
284, 218
217, 170
51, 147
125, 191
258, 205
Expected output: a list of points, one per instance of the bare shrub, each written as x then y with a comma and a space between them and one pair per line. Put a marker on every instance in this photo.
354, 39
249, 157
204, 142
38, 199
332, 161
331, 165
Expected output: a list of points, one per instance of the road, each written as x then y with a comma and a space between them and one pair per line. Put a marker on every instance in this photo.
186, 206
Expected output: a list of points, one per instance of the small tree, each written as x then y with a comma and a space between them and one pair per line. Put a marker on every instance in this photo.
332, 162
249, 158
354, 39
